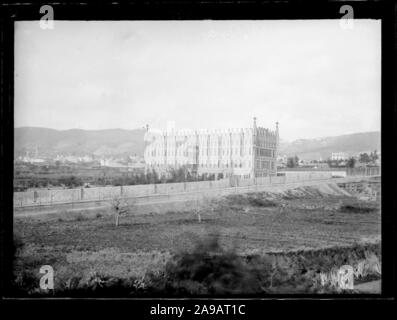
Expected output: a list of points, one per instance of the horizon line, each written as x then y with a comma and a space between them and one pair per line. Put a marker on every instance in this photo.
144, 128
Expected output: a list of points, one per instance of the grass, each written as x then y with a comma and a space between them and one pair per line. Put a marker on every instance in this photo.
207, 270
82, 248
259, 229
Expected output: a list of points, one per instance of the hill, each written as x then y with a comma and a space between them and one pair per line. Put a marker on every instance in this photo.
351, 144
118, 142
78, 142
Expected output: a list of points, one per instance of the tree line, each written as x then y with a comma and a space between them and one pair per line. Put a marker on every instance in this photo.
365, 158
150, 177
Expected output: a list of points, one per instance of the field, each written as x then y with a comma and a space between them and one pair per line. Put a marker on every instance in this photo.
304, 220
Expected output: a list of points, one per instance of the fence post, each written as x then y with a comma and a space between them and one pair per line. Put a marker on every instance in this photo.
81, 194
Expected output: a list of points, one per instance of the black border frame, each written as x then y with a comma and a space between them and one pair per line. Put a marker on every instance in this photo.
218, 10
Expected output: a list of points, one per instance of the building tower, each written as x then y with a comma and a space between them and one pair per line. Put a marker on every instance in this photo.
277, 145
253, 148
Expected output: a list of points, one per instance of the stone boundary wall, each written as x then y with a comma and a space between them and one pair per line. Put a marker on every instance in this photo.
48, 197
363, 171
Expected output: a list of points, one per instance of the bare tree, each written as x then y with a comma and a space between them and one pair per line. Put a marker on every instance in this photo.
197, 209
204, 204
121, 207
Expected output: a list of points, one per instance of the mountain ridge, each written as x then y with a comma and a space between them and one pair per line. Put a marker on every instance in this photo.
79, 142
351, 144
119, 142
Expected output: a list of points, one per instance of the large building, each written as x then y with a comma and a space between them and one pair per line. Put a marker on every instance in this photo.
247, 152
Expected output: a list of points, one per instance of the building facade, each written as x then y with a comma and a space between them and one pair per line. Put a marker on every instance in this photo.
247, 152
338, 156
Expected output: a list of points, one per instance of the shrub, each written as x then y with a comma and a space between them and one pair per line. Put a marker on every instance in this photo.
357, 208
255, 200
80, 217
25, 282
258, 202
207, 270
17, 245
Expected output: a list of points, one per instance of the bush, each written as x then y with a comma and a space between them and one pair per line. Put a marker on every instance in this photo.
258, 202
17, 245
358, 208
80, 217
255, 200
208, 270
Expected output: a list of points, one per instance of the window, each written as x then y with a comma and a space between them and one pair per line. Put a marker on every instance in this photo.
267, 164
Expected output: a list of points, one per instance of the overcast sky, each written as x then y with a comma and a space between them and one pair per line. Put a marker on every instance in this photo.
314, 77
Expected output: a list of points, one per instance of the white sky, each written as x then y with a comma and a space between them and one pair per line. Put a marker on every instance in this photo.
312, 76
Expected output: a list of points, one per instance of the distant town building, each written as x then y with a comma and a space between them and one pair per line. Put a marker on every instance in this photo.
248, 152
131, 163
282, 159
323, 165
30, 160
338, 156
